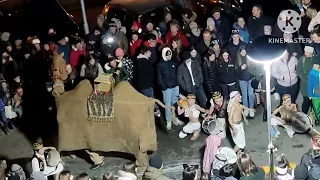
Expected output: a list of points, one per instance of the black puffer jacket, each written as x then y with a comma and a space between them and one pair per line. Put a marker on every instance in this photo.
227, 73
210, 76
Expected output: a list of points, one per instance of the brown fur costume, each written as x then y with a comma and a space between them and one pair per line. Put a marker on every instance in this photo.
59, 73
132, 130
3, 167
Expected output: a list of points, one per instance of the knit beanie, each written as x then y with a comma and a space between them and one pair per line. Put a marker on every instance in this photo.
186, 55
300, 173
119, 52
210, 22
156, 161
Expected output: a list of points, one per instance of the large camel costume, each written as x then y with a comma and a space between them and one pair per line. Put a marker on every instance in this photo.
131, 131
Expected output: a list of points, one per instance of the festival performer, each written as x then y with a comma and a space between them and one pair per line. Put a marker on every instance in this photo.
235, 117
218, 106
283, 114
46, 159
191, 110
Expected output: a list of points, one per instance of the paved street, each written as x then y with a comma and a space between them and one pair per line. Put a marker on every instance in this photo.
174, 151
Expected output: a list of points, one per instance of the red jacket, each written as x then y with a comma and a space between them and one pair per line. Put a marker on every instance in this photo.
74, 56
134, 46
184, 40
159, 41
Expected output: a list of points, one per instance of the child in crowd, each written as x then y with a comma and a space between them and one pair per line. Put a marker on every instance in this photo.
154, 170
83, 176
283, 170
129, 171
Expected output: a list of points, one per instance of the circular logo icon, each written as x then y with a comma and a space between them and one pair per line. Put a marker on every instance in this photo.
289, 21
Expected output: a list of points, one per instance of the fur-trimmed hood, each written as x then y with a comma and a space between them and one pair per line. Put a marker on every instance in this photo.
107, 67
126, 175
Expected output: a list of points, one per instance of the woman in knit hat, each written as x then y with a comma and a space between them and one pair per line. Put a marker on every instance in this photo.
127, 64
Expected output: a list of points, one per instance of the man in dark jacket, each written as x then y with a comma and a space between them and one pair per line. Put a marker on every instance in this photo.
316, 41
234, 45
190, 78
202, 46
63, 47
256, 22
222, 24
168, 81
293, 48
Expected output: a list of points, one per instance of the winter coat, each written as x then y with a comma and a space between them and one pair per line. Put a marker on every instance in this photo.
143, 73
256, 26
184, 76
128, 66
154, 174
285, 72
167, 73
74, 56
227, 73
169, 39
91, 72
243, 32
304, 66
303, 30
233, 49
243, 74
134, 46
223, 27
314, 83
202, 48
210, 76
66, 50
123, 76
316, 48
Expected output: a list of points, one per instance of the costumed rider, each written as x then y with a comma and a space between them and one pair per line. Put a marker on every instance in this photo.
46, 159
235, 118
191, 110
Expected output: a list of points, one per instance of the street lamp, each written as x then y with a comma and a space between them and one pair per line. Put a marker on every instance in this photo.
263, 50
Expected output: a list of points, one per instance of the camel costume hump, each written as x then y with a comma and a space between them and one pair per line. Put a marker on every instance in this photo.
132, 130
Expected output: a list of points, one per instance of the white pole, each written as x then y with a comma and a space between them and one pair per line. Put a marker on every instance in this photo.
84, 16
267, 67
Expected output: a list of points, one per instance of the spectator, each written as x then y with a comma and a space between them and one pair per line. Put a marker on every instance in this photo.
211, 26
215, 46
194, 34
153, 44
65, 175
188, 16
153, 171
300, 173
167, 79
227, 74
9, 115
305, 21
175, 33
210, 73
190, 172
195, 56
315, 35
64, 48
313, 80
248, 170
314, 22
126, 63
202, 46
90, 69
119, 25
112, 40
108, 176
93, 47
17, 101
256, 22
234, 45
267, 30
283, 171
70, 83
165, 23
240, 25
76, 52
129, 170
118, 72
222, 25
310, 160
135, 43
245, 79
136, 25
303, 6
83, 176
177, 47
101, 19
292, 47
190, 78
4, 40
143, 73
149, 26
304, 66
16, 169
284, 71
19, 51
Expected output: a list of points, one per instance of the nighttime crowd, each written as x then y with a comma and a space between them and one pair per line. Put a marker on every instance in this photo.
206, 66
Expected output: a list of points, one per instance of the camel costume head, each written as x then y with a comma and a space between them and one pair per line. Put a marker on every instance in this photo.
59, 73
